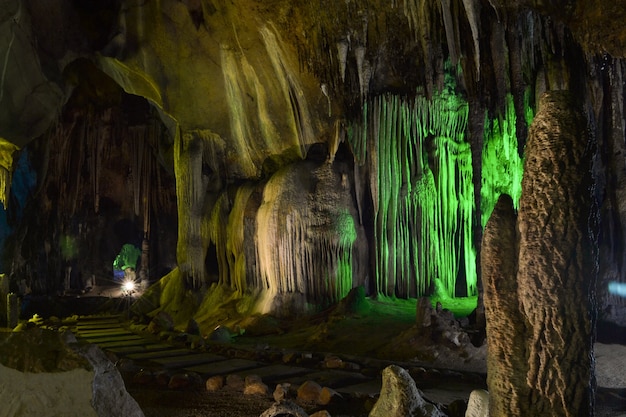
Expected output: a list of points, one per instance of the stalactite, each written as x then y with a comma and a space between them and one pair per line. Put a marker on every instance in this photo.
422, 191
364, 70
502, 166
342, 57
305, 241
236, 243
472, 10
137, 144
193, 223
448, 22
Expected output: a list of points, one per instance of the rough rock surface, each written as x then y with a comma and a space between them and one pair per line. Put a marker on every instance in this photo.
539, 324
399, 397
506, 362
41, 375
555, 275
284, 409
110, 397
478, 404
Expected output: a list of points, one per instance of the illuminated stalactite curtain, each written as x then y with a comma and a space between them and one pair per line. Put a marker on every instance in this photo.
502, 166
422, 190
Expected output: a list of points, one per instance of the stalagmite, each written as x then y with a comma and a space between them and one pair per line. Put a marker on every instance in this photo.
506, 360
555, 273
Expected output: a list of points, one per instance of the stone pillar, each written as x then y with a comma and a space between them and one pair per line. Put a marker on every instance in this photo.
13, 310
506, 361
4, 291
555, 273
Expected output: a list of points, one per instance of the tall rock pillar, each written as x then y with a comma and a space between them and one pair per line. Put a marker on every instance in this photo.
538, 275
506, 361
554, 270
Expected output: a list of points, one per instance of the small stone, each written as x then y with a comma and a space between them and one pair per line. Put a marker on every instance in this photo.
282, 392
321, 413
351, 366
192, 328
326, 396
214, 383
478, 404
162, 378
221, 334
256, 388
283, 409
252, 379
235, 382
309, 391
143, 377
289, 357
457, 408
179, 381
333, 362
399, 397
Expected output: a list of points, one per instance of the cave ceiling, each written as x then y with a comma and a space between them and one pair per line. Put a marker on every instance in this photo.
227, 66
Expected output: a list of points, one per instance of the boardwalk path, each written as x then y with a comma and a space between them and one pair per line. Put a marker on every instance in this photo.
147, 352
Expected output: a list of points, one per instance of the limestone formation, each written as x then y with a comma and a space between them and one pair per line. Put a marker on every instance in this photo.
555, 275
399, 397
539, 285
478, 404
40, 374
506, 359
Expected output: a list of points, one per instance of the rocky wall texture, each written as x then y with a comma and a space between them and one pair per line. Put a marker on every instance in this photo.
506, 359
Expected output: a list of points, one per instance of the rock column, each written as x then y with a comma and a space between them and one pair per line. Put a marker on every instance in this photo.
506, 361
539, 325
555, 271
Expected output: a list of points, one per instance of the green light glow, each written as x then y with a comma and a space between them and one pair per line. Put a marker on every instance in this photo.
502, 166
347, 236
422, 190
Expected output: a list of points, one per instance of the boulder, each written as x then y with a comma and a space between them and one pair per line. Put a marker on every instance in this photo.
41, 374
399, 397
215, 383
478, 404
309, 391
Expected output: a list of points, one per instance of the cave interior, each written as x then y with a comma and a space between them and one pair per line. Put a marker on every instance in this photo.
305, 174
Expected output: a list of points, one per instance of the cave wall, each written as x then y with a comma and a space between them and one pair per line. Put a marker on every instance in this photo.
421, 108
